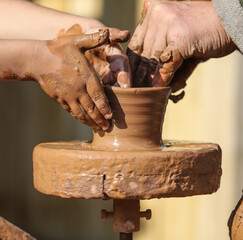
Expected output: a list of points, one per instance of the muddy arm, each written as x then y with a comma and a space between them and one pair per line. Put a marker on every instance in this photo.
62, 71
21, 19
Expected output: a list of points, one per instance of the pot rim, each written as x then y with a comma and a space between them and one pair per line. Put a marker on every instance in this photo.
137, 90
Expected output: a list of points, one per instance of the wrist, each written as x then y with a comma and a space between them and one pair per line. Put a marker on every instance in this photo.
16, 60
41, 60
85, 23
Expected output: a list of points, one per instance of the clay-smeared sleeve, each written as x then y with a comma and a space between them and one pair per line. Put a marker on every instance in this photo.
231, 14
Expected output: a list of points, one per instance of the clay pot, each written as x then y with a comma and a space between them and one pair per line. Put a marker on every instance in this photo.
138, 115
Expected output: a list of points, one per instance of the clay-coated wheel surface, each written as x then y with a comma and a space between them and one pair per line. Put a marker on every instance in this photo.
73, 169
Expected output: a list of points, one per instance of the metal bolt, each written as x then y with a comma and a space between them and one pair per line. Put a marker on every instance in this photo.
105, 215
146, 214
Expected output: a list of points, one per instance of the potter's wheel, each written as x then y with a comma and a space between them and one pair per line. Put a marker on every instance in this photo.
74, 169
129, 162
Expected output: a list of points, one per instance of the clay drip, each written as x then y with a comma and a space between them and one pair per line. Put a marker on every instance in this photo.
138, 115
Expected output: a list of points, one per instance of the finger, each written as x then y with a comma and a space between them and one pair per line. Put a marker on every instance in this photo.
108, 78
141, 78
154, 61
98, 59
96, 92
147, 3
100, 65
119, 66
147, 64
183, 73
159, 46
98, 96
93, 40
171, 60
145, 6
134, 59
78, 112
112, 65
118, 36
135, 47
93, 112
65, 105
124, 79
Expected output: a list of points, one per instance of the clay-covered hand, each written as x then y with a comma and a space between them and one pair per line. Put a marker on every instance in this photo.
109, 60
172, 38
66, 75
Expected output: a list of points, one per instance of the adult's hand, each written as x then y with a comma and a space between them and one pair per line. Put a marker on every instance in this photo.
65, 74
172, 38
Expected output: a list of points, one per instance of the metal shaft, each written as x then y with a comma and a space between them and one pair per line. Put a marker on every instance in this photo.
125, 236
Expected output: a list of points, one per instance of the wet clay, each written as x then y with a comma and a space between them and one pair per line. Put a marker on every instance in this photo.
8, 231
73, 169
236, 222
138, 115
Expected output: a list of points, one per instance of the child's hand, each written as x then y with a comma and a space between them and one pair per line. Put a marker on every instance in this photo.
65, 75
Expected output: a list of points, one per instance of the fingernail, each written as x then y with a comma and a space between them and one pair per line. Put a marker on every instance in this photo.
97, 128
102, 32
105, 128
123, 79
108, 116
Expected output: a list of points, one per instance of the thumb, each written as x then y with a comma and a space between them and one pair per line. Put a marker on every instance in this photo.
117, 35
170, 61
88, 41
145, 6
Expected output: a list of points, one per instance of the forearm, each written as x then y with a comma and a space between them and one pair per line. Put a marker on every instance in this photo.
16, 60
20, 19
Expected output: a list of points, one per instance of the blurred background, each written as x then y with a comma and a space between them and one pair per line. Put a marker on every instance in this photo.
211, 111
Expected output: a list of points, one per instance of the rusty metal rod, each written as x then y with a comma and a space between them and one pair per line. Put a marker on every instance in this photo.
125, 236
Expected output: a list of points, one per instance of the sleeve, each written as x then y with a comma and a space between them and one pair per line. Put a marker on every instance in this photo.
231, 14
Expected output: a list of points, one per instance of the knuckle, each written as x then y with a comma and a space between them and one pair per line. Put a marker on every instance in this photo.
90, 109
67, 108
101, 106
98, 120
81, 116
97, 96
172, 16
161, 8
65, 105
156, 10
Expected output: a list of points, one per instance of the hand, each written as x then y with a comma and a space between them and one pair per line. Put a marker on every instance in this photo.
109, 60
172, 38
65, 75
